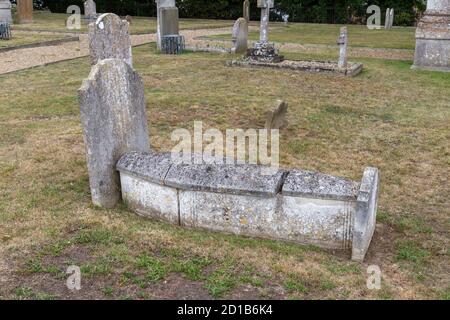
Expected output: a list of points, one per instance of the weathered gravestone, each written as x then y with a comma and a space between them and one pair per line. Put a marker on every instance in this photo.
240, 36
391, 18
25, 11
90, 10
167, 20
5, 11
276, 119
114, 122
343, 42
433, 37
109, 38
387, 22
246, 10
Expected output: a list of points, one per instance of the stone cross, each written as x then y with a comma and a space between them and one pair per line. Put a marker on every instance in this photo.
109, 38
265, 6
342, 42
113, 115
160, 5
25, 11
240, 36
5, 11
90, 9
246, 10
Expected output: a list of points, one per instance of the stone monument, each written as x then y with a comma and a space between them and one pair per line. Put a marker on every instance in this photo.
263, 50
24, 11
240, 36
167, 20
109, 38
114, 122
246, 10
90, 10
5, 11
343, 42
433, 37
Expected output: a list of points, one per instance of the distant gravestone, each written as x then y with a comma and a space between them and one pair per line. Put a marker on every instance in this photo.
109, 38
114, 122
343, 42
391, 18
387, 22
276, 119
240, 36
5, 11
246, 10
90, 10
165, 20
25, 11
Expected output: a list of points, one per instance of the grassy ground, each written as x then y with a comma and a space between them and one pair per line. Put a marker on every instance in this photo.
23, 38
326, 34
57, 22
389, 116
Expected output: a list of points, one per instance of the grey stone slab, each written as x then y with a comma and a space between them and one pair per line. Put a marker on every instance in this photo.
5, 11
150, 166
301, 183
90, 9
246, 10
109, 38
240, 36
242, 179
113, 115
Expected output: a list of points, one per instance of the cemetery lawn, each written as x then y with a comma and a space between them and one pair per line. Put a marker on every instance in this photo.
46, 21
327, 34
23, 38
390, 117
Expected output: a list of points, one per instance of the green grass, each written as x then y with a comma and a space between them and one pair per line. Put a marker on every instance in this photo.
389, 116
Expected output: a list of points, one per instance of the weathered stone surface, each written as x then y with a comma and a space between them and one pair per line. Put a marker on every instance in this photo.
114, 122
149, 199
391, 18
433, 37
234, 179
366, 213
343, 43
90, 9
5, 11
169, 21
265, 6
387, 22
240, 36
109, 38
309, 184
246, 10
25, 11
160, 4
276, 119
151, 166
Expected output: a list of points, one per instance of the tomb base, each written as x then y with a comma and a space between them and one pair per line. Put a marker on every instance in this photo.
264, 52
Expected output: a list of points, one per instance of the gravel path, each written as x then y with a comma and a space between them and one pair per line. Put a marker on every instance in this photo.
27, 58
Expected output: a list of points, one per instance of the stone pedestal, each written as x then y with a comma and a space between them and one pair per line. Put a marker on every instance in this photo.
5, 11
433, 37
24, 11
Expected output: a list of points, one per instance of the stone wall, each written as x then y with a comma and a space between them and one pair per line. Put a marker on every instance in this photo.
300, 206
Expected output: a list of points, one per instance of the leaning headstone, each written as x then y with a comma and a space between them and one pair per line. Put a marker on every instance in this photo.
391, 18
246, 10
387, 22
25, 11
161, 22
343, 42
276, 119
433, 37
90, 10
109, 38
5, 11
114, 122
240, 36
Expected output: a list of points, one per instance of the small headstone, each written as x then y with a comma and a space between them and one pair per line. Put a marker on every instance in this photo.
25, 11
90, 10
5, 11
391, 18
240, 36
343, 42
109, 38
246, 10
276, 119
114, 122
387, 22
